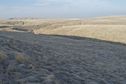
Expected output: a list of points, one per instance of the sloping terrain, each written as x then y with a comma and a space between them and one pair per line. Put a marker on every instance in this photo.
103, 28
106, 28
26, 58
44, 51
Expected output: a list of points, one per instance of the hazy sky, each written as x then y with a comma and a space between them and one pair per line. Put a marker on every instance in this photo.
61, 8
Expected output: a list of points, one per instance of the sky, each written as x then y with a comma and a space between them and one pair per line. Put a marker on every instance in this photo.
61, 8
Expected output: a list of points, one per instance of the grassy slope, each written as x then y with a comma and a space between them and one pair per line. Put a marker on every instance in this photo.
111, 29
104, 28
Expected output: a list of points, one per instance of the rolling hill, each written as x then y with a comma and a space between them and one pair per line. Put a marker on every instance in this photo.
63, 51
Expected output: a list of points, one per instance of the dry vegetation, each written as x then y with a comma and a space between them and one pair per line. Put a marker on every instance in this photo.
110, 29
27, 58
116, 33
104, 28
21, 58
2, 56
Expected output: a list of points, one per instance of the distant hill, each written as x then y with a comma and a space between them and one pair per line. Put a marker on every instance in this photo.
105, 28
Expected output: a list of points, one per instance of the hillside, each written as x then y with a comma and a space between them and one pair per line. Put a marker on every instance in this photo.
103, 28
63, 51
41, 59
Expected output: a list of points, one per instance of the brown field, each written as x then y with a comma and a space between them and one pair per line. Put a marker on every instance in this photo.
111, 29
103, 28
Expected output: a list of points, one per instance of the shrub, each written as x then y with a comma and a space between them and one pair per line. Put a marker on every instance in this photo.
21, 58
2, 56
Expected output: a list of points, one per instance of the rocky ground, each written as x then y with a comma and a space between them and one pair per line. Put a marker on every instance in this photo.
26, 58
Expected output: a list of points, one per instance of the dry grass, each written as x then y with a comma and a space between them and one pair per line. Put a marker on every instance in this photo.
2, 56
21, 58
104, 28
116, 33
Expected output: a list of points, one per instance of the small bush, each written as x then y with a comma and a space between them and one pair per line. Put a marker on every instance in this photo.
2, 56
21, 58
